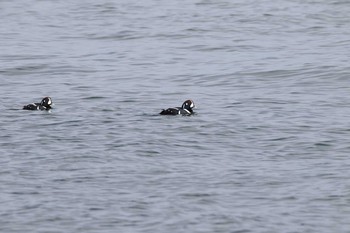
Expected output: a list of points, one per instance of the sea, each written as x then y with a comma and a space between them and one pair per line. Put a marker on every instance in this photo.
267, 150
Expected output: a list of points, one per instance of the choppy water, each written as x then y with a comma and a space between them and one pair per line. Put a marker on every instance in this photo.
267, 151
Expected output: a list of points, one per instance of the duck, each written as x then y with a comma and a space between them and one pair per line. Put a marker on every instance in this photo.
45, 104
185, 109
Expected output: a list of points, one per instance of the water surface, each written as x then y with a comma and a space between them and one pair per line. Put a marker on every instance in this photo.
267, 151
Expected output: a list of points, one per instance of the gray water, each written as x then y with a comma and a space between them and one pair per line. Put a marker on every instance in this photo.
267, 151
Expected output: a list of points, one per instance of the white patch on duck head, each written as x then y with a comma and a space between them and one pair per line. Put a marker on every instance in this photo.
192, 104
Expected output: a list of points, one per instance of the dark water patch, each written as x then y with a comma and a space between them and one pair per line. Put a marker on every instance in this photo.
147, 153
25, 57
82, 87
24, 70
234, 105
25, 193
283, 138
323, 144
122, 35
94, 98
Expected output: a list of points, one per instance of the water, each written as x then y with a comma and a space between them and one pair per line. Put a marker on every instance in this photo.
267, 151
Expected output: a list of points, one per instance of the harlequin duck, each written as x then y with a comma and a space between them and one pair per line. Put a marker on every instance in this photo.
45, 104
185, 109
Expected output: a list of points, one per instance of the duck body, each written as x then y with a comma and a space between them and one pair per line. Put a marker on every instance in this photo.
185, 109
45, 104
